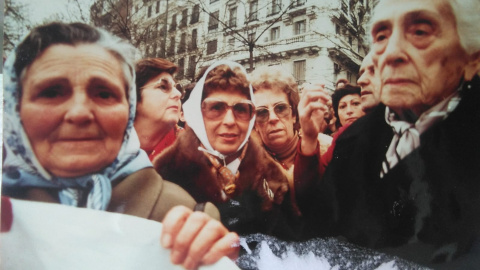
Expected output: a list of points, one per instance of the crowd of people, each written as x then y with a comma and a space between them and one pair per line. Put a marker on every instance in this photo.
87, 126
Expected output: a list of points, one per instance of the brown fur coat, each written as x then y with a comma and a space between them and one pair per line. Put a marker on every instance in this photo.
185, 165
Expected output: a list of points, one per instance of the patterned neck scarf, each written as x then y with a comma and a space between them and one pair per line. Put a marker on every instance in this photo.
21, 168
406, 135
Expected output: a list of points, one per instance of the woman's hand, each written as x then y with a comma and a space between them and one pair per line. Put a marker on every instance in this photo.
196, 239
311, 111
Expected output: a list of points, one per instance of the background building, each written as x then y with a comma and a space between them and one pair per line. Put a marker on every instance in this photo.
316, 40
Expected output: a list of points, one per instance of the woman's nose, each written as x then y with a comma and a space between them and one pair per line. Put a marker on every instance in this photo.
272, 116
229, 117
175, 94
79, 109
394, 51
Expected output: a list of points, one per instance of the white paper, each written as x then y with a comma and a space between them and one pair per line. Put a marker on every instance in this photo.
53, 236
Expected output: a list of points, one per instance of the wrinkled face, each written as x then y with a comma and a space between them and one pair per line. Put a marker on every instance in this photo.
74, 109
160, 102
227, 132
369, 83
417, 53
350, 109
277, 132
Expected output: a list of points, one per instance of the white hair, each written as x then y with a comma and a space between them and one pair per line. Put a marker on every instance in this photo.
467, 16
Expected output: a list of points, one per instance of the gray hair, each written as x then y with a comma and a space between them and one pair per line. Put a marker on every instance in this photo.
44, 36
467, 18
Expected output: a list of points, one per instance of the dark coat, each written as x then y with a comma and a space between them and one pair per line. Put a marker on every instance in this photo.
250, 207
143, 194
427, 208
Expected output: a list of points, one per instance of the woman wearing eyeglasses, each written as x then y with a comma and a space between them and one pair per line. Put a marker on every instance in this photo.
281, 116
158, 105
214, 160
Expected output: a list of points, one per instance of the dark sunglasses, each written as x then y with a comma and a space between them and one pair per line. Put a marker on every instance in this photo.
215, 109
281, 110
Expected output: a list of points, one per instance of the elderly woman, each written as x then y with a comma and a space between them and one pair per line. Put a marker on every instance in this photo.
158, 105
278, 122
214, 160
69, 138
347, 104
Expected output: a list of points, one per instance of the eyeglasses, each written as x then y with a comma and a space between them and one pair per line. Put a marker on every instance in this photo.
281, 109
215, 109
166, 87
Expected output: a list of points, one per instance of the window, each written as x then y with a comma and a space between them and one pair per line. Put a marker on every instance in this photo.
253, 10
193, 45
337, 29
149, 12
275, 7
213, 21
231, 43
157, 8
195, 14
300, 27
350, 40
192, 64
181, 68
274, 33
173, 25
233, 17
349, 76
212, 46
171, 48
299, 68
183, 22
183, 42
251, 37
299, 2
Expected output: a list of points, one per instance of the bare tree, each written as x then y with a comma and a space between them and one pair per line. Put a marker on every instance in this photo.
15, 24
124, 18
254, 28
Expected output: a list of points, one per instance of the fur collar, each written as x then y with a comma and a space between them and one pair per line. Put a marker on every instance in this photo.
185, 165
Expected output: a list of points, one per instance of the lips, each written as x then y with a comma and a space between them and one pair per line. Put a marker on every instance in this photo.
365, 92
398, 81
351, 119
275, 131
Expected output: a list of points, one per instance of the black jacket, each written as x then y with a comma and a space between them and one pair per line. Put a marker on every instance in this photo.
427, 208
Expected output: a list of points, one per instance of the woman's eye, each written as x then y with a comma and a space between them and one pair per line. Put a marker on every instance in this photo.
50, 93
217, 107
105, 95
342, 106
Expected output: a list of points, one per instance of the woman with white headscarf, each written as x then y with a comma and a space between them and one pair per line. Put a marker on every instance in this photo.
69, 139
215, 159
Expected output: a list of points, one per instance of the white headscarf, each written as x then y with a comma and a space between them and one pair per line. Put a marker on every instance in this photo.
22, 169
192, 109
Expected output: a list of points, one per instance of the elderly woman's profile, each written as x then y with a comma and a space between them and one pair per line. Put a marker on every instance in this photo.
69, 138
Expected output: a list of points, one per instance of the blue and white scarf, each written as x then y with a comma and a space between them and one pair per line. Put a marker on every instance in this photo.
21, 168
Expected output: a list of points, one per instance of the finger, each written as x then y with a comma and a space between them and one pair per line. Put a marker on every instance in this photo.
172, 223
205, 240
313, 96
181, 244
228, 245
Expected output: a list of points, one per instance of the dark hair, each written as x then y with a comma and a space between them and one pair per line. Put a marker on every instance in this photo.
148, 68
348, 89
40, 38
44, 36
224, 78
